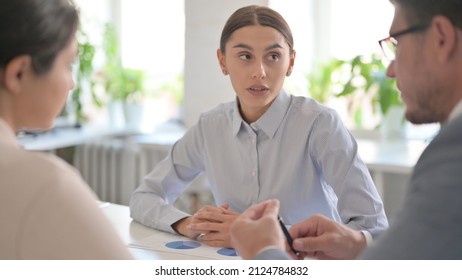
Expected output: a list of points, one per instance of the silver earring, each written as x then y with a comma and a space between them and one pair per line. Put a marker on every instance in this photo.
225, 72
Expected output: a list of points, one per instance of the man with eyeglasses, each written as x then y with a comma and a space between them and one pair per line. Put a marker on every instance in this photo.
425, 49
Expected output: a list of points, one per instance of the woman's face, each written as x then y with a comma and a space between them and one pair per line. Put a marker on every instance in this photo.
42, 97
257, 59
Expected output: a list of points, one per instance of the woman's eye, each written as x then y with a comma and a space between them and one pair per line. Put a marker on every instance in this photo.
274, 56
245, 56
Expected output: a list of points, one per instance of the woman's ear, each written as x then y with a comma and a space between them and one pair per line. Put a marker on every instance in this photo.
291, 63
14, 73
222, 62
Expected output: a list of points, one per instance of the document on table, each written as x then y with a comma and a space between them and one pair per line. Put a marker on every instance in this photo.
166, 242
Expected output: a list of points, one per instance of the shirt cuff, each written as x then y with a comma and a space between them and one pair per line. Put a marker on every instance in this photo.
368, 237
177, 232
267, 248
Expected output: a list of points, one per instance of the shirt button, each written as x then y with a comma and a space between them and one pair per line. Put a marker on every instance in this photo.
253, 141
254, 173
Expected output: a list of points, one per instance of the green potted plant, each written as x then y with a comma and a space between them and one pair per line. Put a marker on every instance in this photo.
366, 78
84, 83
322, 83
122, 85
173, 91
360, 79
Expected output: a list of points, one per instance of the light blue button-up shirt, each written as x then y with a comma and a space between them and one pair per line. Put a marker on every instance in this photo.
298, 152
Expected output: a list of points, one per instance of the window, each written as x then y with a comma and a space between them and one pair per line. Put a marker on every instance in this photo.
151, 37
356, 25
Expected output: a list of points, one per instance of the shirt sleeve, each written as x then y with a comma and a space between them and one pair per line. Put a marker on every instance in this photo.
336, 153
368, 237
152, 202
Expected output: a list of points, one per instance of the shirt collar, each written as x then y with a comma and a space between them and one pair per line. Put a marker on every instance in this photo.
457, 111
271, 119
237, 119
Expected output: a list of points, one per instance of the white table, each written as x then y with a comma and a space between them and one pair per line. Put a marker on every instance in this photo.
68, 137
131, 231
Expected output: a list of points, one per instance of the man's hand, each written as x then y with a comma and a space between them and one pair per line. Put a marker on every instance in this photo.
257, 228
321, 238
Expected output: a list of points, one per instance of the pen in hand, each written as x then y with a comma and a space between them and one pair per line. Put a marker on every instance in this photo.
287, 235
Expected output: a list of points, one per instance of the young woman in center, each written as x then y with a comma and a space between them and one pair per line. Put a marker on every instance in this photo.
265, 144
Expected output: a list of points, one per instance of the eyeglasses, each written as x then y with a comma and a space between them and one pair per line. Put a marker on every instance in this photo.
389, 44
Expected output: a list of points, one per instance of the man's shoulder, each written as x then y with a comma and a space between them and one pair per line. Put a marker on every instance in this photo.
454, 127
442, 156
450, 136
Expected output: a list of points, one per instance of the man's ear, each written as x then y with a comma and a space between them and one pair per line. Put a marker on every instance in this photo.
222, 62
15, 72
445, 42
